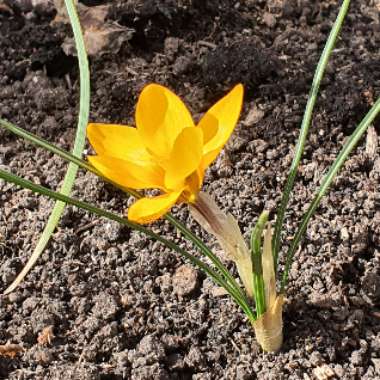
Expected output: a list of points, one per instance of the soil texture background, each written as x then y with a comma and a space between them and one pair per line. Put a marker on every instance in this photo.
120, 306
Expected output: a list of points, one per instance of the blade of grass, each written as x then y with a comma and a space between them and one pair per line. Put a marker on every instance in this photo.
87, 166
321, 67
256, 257
9, 177
329, 177
77, 149
40, 142
207, 252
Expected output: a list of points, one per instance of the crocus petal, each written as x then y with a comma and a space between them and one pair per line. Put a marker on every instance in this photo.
219, 122
118, 141
185, 157
160, 117
194, 182
147, 210
128, 174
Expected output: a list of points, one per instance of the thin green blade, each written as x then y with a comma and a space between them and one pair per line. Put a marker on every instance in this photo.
319, 72
80, 139
217, 277
87, 166
326, 182
256, 257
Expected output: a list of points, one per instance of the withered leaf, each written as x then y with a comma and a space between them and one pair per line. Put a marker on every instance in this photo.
10, 350
100, 36
46, 335
99, 41
371, 145
61, 15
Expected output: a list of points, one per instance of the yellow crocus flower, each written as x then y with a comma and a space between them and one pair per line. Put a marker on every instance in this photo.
165, 151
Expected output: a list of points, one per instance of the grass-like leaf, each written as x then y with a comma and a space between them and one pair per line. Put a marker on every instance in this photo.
87, 166
80, 139
329, 177
321, 67
42, 143
256, 257
9, 177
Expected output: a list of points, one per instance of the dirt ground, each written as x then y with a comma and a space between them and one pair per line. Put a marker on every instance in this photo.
123, 307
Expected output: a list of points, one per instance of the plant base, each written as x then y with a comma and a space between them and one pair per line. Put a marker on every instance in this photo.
268, 328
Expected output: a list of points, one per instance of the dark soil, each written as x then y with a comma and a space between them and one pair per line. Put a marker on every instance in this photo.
122, 306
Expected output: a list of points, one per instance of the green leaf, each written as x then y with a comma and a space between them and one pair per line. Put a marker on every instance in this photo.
77, 150
9, 177
329, 177
256, 239
321, 67
40, 142
87, 166
256, 257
